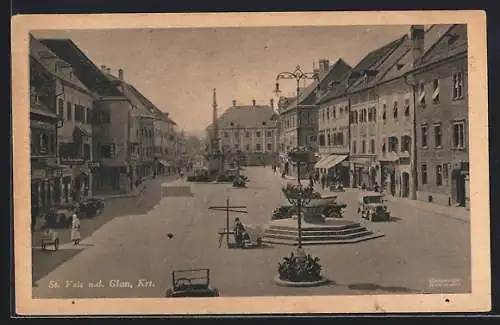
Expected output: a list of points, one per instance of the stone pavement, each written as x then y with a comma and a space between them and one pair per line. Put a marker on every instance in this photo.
417, 249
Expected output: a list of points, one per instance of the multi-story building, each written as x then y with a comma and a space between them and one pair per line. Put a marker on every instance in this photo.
333, 132
300, 115
365, 102
111, 122
440, 79
46, 173
251, 131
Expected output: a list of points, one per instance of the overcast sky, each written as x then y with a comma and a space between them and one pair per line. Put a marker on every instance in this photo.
178, 68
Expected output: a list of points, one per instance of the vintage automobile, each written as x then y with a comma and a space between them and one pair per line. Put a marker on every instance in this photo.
283, 212
191, 283
90, 207
372, 207
60, 216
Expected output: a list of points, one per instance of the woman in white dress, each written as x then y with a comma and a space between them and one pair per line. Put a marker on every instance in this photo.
75, 230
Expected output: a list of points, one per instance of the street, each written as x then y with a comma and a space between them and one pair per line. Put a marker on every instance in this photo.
132, 256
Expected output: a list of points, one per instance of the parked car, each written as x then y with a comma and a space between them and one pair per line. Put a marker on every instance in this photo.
372, 206
91, 207
59, 217
191, 283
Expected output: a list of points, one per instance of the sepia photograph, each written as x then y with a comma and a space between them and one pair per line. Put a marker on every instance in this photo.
251, 163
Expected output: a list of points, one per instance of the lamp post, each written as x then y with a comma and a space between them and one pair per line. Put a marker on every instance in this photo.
299, 156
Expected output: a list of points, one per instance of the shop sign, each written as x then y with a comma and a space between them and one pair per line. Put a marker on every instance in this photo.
72, 161
38, 173
94, 164
66, 171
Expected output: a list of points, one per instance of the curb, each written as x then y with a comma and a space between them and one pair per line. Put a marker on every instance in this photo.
283, 283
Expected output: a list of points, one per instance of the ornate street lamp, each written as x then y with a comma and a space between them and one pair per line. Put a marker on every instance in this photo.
299, 155
299, 196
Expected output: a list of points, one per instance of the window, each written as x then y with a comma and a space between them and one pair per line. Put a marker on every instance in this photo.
439, 175
445, 172
104, 116
424, 173
458, 85
459, 135
258, 147
354, 149
395, 110
329, 138
69, 111
363, 146
383, 147
437, 135
435, 91
334, 112
321, 140
257, 134
328, 113
107, 150
269, 134
86, 151
421, 97
79, 113
60, 108
247, 134
424, 135
393, 144
341, 110
247, 147
384, 112
407, 107
323, 114
372, 146
269, 146
88, 113
226, 135
236, 134
406, 143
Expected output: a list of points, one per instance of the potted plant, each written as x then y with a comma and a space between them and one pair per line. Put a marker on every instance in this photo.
298, 268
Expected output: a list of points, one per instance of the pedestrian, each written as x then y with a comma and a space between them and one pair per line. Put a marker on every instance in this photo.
323, 181
311, 181
238, 233
75, 230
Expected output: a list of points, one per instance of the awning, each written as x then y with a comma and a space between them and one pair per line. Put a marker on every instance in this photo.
165, 163
334, 160
321, 162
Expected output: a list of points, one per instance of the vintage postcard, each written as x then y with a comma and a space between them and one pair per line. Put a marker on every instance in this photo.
240, 163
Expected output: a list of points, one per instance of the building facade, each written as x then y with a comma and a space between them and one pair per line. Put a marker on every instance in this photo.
46, 173
299, 115
442, 107
248, 133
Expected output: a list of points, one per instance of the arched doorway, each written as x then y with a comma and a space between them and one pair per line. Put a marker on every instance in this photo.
405, 185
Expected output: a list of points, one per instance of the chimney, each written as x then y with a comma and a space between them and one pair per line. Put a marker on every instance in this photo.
417, 38
120, 74
108, 70
271, 103
324, 65
253, 102
234, 102
315, 70
103, 68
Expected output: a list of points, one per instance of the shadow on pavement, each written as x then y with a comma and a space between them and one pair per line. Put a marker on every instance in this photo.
375, 287
45, 262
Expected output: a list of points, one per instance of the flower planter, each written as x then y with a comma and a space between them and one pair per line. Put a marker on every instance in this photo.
302, 284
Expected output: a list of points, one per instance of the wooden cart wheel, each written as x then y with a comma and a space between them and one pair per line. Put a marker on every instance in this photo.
56, 244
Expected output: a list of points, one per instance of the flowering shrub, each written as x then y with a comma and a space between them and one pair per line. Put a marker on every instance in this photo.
296, 269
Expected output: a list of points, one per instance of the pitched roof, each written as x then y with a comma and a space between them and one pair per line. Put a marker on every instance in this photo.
247, 117
308, 96
49, 60
369, 62
86, 71
385, 63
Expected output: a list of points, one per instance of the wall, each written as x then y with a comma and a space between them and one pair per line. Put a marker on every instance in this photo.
327, 124
445, 112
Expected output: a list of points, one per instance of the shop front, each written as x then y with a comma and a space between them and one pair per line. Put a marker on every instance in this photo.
44, 187
361, 172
